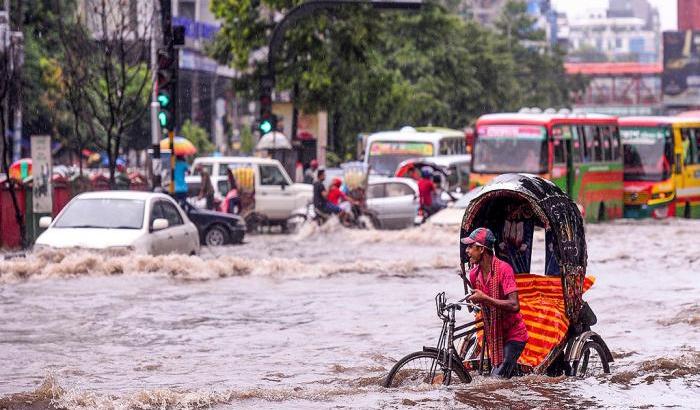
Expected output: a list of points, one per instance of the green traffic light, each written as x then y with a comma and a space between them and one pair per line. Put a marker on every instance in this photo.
265, 127
163, 119
164, 100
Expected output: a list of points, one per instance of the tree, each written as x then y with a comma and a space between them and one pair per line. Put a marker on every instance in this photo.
198, 137
104, 51
374, 71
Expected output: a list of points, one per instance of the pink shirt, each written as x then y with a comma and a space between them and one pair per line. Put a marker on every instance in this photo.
513, 323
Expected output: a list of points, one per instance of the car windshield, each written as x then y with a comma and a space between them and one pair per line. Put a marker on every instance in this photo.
648, 153
511, 148
105, 213
385, 157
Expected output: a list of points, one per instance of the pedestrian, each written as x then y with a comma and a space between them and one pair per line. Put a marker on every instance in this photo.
206, 189
231, 203
494, 288
299, 172
310, 172
179, 179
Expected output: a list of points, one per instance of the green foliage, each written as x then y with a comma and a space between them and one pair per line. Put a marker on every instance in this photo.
198, 137
374, 70
247, 143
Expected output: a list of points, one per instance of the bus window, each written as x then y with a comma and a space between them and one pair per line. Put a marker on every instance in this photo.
596, 144
689, 145
452, 146
606, 139
615, 143
587, 136
576, 150
559, 151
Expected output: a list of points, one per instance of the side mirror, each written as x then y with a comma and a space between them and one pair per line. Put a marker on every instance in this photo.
44, 222
160, 224
677, 168
283, 185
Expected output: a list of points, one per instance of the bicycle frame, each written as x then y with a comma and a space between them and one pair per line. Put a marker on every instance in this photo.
445, 348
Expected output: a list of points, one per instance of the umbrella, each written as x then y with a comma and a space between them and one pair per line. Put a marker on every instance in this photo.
182, 146
273, 140
21, 169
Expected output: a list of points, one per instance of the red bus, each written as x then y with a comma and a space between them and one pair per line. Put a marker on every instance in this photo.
580, 153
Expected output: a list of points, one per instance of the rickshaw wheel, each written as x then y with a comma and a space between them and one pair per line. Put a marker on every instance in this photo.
592, 361
414, 370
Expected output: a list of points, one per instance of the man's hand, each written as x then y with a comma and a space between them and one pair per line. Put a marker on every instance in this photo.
478, 296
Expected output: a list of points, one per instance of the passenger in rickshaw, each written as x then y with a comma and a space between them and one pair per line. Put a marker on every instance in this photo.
496, 291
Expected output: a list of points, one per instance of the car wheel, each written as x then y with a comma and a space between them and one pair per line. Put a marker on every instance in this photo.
216, 236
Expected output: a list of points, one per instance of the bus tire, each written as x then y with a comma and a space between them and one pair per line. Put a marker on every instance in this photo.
601, 213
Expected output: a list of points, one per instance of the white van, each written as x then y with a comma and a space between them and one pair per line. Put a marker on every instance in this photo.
386, 150
267, 193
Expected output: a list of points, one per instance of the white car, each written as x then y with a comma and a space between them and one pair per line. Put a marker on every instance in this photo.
143, 222
267, 191
453, 214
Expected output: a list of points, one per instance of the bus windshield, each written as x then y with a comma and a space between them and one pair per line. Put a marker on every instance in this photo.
511, 148
648, 153
385, 157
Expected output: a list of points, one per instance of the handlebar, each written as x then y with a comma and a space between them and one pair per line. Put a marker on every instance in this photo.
442, 305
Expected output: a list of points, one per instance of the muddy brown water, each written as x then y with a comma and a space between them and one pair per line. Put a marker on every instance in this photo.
316, 320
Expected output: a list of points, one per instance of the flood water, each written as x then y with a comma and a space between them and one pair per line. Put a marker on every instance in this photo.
316, 320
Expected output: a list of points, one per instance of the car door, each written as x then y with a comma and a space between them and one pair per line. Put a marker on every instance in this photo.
179, 236
158, 239
274, 198
401, 204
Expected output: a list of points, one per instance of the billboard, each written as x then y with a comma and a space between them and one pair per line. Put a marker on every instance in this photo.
41, 173
681, 76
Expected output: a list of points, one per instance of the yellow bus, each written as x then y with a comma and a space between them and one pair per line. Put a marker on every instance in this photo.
661, 166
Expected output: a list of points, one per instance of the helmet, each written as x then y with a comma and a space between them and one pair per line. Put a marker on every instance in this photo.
426, 172
313, 163
336, 182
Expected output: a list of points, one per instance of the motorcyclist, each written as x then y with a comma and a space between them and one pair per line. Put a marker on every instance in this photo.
321, 201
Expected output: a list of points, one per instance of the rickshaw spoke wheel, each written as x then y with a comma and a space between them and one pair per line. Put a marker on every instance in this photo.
592, 361
415, 370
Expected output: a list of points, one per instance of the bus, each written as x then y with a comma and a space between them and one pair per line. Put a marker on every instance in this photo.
580, 153
386, 150
661, 166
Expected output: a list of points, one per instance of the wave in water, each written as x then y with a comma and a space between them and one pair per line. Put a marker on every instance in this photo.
73, 263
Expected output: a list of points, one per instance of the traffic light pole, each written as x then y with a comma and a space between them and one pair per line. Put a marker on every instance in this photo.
170, 120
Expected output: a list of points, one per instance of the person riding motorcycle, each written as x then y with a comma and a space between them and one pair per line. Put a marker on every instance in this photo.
321, 202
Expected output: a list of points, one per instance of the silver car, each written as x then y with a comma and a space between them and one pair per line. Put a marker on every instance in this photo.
394, 200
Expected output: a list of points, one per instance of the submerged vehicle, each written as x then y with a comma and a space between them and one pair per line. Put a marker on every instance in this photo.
557, 319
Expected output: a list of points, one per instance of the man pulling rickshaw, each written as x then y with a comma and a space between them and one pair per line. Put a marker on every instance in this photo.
523, 322
496, 292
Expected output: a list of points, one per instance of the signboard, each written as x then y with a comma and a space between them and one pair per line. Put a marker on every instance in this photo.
512, 131
642, 135
41, 172
419, 149
681, 77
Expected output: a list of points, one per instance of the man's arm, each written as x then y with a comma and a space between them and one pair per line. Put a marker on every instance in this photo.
511, 304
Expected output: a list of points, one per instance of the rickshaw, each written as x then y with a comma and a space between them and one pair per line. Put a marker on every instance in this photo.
558, 321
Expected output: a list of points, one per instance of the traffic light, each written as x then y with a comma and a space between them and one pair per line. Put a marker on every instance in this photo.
268, 120
167, 83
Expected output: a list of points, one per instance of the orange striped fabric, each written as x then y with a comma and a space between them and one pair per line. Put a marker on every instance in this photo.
542, 307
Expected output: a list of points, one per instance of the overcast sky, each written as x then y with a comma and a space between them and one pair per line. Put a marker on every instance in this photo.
574, 8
